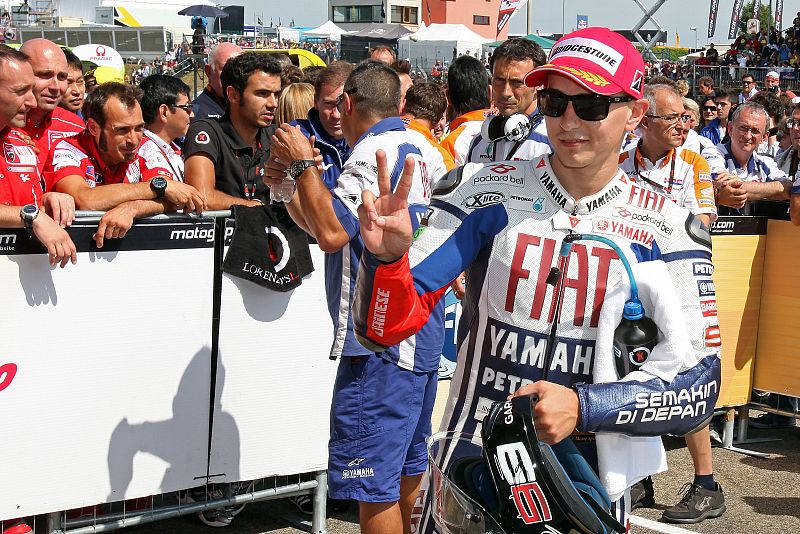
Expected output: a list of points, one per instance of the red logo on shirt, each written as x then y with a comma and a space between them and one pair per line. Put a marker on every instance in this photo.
541, 164
502, 168
8, 151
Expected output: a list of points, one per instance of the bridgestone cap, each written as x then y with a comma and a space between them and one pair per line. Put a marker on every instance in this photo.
602, 61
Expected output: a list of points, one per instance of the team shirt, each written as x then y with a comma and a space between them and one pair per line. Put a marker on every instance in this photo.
463, 130
706, 148
537, 144
421, 352
20, 180
417, 127
58, 124
682, 176
153, 147
238, 169
758, 168
78, 156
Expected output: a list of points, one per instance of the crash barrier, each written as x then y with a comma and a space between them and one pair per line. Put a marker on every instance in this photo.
144, 370
731, 77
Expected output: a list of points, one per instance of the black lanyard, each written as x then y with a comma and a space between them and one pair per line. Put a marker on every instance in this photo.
668, 189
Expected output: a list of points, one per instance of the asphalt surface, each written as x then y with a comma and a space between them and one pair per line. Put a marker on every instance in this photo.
762, 496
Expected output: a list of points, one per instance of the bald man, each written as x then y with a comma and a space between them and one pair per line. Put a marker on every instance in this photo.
211, 103
47, 122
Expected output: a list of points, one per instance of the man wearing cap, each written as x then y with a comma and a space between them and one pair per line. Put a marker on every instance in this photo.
772, 83
533, 318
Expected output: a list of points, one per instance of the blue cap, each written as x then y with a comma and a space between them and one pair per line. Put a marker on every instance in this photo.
633, 310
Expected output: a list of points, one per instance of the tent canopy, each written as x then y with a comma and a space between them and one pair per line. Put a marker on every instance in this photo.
546, 44
447, 32
329, 29
440, 43
390, 32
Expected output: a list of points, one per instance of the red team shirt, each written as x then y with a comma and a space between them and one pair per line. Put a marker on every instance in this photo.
58, 125
20, 180
78, 156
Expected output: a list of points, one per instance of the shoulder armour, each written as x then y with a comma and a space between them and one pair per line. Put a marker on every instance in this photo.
697, 231
447, 183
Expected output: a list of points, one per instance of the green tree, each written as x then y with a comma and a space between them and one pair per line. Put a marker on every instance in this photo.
767, 21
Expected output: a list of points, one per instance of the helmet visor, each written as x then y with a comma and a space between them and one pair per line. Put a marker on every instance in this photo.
453, 511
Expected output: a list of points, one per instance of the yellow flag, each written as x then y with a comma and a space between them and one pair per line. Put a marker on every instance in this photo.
677, 39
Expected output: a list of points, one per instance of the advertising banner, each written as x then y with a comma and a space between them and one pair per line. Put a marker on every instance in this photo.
712, 18
507, 9
736, 14
105, 367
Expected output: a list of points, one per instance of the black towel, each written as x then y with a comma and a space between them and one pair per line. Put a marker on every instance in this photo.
268, 248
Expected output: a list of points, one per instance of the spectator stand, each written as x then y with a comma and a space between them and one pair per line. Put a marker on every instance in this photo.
153, 372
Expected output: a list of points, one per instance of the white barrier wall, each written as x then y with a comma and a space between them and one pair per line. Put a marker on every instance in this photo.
272, 413
105, 371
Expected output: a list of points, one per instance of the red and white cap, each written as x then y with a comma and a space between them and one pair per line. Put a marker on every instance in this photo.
602, 61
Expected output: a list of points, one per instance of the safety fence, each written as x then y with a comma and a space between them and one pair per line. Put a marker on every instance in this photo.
145, 370
730, 78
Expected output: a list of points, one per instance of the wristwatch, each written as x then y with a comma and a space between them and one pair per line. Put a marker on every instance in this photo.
297, 167
28, 214
159, 186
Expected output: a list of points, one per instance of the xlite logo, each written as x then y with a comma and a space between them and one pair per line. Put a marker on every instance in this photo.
8, 239
481, 200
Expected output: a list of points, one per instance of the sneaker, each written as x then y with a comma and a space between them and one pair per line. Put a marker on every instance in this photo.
239, 488
15, 526
771, 420
218, 517
304, 503
696, 505
643, 494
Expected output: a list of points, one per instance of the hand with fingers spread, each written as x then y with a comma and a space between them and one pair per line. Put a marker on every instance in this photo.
556, 412
60, 207
385, 223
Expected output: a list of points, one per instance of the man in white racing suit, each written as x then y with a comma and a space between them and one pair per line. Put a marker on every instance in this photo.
504, 222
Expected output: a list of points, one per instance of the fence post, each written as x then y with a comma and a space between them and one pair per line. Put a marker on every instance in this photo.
318, 523
54, 523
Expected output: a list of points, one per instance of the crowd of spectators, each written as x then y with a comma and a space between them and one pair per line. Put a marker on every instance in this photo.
136, 151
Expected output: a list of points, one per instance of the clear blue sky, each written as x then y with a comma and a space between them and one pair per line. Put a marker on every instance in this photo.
674, 15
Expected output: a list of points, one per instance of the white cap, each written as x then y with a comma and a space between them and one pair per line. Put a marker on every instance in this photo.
773, 74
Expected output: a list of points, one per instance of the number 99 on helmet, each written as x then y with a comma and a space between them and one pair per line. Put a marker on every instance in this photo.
508, 482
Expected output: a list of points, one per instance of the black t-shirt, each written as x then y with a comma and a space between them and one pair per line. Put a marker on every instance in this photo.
237, 169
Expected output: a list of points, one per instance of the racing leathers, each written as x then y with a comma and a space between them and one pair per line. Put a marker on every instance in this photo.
504, 224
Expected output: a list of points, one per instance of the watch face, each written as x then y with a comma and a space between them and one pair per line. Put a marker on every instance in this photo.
159, 183
30, 210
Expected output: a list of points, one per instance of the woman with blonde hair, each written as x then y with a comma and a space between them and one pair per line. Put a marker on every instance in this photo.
294, 103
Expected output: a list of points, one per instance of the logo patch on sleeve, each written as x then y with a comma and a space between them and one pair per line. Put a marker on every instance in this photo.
201, 138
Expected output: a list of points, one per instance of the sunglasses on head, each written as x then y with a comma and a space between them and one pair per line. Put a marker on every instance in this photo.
588, 107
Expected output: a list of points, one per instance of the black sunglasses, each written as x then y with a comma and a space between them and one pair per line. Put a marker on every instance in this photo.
340, 98
588, 107
709, 108
185, 107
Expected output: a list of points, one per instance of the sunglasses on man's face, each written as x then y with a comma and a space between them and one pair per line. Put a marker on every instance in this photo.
588, 107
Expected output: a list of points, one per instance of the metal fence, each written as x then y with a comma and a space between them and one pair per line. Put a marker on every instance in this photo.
730, 78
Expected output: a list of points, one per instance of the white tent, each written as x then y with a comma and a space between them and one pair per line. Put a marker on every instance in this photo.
439, 42
329, 30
